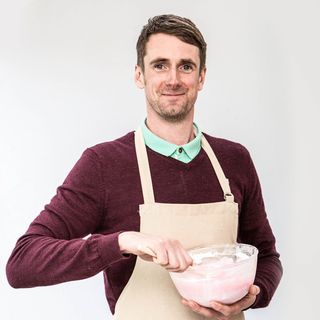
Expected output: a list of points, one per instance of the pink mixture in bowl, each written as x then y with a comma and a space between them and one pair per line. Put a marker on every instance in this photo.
219, 273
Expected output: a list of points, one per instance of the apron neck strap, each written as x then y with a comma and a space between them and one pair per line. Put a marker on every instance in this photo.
144, 168
224, 182
145, 175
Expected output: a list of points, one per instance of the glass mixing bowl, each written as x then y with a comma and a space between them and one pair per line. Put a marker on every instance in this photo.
219, 273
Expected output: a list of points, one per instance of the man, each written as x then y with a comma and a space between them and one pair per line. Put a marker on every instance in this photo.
153, 193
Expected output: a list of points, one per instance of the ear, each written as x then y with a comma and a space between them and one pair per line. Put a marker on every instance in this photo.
138, 77
202, 78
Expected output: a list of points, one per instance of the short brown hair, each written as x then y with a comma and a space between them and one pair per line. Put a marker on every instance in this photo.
182, 28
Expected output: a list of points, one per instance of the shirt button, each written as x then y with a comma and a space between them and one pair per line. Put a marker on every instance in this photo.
180, 150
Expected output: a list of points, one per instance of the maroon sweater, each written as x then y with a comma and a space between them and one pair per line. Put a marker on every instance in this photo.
100, 197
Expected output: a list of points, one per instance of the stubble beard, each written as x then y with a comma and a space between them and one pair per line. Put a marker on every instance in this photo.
174, 113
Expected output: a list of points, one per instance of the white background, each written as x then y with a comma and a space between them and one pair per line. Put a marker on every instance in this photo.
66, 83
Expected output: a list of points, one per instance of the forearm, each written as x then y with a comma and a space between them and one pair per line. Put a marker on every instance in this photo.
268, 276
40, 260
269, 268
254, 228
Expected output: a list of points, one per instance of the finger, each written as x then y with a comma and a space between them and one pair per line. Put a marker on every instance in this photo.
206, 312
174, 263
235, 308
185, 257
250, 298
254, 290
180, 261
226, 310
161, 254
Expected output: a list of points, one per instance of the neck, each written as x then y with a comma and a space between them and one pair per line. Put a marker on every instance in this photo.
178, 133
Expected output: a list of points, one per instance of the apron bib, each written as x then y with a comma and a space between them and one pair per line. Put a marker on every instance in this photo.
150, 294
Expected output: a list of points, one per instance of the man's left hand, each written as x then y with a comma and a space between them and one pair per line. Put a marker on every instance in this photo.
223, 311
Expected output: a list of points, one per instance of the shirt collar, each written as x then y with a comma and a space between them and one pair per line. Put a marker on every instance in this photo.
166, 148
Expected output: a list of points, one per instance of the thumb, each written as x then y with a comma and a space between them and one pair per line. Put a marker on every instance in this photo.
254, 290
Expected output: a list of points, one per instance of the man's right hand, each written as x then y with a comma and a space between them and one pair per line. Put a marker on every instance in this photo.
166, 252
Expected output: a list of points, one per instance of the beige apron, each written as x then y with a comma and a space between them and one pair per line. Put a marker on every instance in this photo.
150, 293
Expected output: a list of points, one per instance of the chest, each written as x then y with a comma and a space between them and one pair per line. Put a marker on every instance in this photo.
173, 182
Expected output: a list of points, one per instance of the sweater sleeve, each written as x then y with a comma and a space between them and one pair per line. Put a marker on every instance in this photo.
254, 228
53, 249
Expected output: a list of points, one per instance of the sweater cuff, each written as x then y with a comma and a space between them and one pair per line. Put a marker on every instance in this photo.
108, 249
261, 297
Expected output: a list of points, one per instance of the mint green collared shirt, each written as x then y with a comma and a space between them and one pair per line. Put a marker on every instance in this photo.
184, 153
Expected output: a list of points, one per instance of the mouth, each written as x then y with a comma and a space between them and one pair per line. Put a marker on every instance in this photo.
173, 94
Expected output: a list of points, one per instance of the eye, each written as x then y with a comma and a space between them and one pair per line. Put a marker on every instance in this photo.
159, 66
187, 67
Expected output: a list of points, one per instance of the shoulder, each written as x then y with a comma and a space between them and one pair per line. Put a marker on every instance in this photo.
112, 157
228, 149
122, 145
236, 163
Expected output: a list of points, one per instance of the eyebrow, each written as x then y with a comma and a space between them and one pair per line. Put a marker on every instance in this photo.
164, 60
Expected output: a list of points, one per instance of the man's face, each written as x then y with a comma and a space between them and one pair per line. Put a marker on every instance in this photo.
171, 76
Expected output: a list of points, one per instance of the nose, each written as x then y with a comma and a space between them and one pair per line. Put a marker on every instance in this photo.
173, 77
